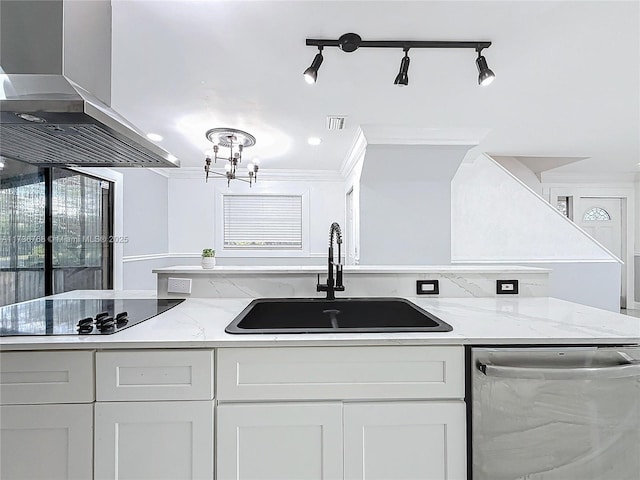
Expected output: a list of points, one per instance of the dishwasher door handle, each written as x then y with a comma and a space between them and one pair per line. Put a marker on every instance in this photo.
631, 369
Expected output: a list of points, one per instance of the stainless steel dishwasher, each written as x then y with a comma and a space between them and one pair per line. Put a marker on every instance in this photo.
555, 413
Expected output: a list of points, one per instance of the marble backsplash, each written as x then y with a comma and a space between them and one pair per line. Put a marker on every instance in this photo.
456, 283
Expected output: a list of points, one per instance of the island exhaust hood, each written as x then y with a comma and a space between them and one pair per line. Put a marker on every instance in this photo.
55, 89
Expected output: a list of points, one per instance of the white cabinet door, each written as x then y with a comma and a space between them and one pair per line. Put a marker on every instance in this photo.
154, 440
279, 441
405, 441
46, 442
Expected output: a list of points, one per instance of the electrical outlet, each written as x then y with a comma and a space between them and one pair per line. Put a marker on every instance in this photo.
427, 287
179, 285
507, 287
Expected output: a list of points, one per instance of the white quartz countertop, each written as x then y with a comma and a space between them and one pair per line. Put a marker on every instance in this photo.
200, 322
391, 269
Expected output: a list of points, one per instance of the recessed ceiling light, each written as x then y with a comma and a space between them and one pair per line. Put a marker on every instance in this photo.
154, 136
314, 141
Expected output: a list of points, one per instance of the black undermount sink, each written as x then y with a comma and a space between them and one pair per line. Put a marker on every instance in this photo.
343, 315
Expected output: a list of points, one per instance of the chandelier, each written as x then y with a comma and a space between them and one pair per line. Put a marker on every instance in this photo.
236, 141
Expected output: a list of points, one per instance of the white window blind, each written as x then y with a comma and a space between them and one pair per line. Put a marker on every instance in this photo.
262, 222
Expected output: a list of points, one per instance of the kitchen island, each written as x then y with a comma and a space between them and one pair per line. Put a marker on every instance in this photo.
177, 397
200, 322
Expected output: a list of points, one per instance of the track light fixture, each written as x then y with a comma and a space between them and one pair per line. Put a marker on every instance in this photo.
485, 75
311, 73
350, 42
403, 78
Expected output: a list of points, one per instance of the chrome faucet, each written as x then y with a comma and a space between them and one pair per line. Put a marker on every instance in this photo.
332, 285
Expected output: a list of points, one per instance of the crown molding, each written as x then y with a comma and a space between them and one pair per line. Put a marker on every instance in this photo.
162, 172
403, 135
356, 152
265, 175
600, 178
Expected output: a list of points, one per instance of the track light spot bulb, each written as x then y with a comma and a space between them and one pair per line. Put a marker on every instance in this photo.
310, 76
485, 75
311, 73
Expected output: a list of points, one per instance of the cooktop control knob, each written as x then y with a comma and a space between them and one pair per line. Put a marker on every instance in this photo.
85, 325
122, 319
85, 322
106, 325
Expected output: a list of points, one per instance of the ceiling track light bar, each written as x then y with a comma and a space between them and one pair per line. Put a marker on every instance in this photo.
316, 42
350, 42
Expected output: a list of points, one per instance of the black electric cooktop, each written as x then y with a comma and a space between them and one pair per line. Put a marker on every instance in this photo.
79, 316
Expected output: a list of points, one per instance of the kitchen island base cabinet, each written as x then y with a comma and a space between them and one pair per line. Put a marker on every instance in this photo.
279, 441
335, 441
46, 442
154, 440
405, 441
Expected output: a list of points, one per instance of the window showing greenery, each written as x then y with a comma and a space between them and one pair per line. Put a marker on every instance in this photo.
55, 227
22, 234
77, 225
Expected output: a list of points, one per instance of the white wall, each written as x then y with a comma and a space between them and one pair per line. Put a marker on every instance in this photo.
521, 172
497, 219
636, 248
193, 224
168, 221
405, 203
145, 226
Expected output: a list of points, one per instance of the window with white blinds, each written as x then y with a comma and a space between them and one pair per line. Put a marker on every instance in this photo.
269, 222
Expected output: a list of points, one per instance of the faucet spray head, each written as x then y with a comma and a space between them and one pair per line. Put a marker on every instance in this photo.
335, 229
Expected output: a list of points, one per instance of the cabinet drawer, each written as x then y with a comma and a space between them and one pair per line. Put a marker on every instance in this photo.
154, 375
46, 377
340, 373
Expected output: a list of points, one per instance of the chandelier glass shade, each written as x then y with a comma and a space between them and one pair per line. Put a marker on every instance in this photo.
235, 141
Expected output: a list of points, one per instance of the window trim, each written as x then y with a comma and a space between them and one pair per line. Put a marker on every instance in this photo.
243, 190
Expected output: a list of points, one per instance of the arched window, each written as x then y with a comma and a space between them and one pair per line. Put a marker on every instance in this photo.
596, 214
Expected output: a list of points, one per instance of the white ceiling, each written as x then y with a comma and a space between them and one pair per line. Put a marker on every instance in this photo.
567, 76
